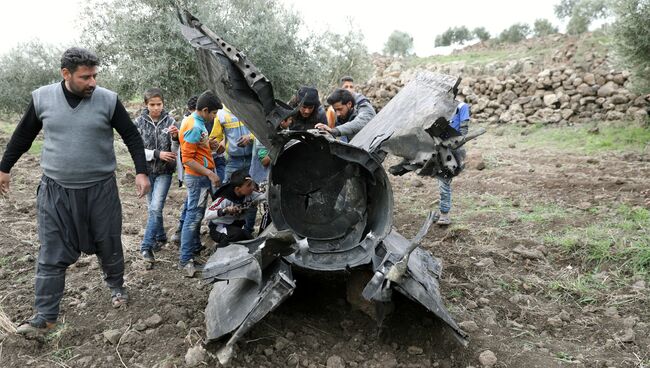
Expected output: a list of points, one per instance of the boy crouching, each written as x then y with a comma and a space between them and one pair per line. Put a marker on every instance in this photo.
226, 215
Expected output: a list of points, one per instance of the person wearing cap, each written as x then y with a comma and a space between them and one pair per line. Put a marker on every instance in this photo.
310, 111
199, 176
226, 214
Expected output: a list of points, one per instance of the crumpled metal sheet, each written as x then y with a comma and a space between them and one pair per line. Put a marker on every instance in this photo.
401, 126
236, 81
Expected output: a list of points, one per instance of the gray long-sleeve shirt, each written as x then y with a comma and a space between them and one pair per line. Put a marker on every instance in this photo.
361, 114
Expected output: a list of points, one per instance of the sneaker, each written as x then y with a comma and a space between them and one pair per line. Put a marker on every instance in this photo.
159, 245
190, 268
149, 259
35, 326
119, 297
444, 219
176, 238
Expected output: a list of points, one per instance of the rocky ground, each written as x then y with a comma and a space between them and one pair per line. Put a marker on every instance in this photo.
543, 267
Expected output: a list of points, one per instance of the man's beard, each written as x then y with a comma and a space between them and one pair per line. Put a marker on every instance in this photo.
81, 92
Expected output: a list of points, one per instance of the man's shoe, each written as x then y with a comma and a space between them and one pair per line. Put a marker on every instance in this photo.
176, 238
149, 259
444, 219
190, 268
34, 327
119, 297
159, 245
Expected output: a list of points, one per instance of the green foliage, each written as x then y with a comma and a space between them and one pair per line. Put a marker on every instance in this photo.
399, 43
336, 55
581, 13
515, 33
141, 43
481, 33
623, 241
542, 27
632, 40
23, 69
454, 35
626, 136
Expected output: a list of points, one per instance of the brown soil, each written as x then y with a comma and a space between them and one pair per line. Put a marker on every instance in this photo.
518, 317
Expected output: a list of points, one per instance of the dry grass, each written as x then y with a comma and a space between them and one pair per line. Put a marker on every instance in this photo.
5, 322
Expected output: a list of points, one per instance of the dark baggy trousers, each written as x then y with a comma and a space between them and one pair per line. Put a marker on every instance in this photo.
72, 221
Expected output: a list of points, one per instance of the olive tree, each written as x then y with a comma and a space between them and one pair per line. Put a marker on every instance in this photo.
25, 68
632, 40
399, 43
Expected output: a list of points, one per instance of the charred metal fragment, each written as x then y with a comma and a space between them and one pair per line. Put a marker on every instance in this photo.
331, 202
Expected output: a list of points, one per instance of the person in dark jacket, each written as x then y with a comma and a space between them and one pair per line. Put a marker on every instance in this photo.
157, 128
353, 112
310, 112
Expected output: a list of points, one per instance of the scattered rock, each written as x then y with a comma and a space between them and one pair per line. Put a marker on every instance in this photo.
469, 326
415, 350
335, 361
555, 321
112, 336
487, 358
153, 321
626, 336
281, 343
564, 316
483, 302
416, 183
528, 253
594, 130
471, 305
612, 312
139, 327
268, 352
195, 356
485, 262
639, 285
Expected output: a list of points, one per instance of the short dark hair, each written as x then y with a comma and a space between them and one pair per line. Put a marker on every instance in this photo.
239, 178
208, 100
153, 92
347, 78
340, 95
191, 102
74, 57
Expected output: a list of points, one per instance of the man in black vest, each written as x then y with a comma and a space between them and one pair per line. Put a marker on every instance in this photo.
79, 209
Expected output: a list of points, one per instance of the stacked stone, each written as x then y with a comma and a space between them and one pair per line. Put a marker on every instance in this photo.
519, 92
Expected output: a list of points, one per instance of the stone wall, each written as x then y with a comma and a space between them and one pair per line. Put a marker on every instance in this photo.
558, 88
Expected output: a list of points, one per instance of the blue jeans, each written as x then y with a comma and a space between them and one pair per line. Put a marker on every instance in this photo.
155, 230
444, 184
198, 191
236, 163
220, 166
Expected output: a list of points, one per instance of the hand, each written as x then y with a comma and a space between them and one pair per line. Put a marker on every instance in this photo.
285, 123
142, 185
167, 156
222, 147
173, 131
214, 179
244, 141
5, 179
232, 210
266, 161
324, 127
214, 144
